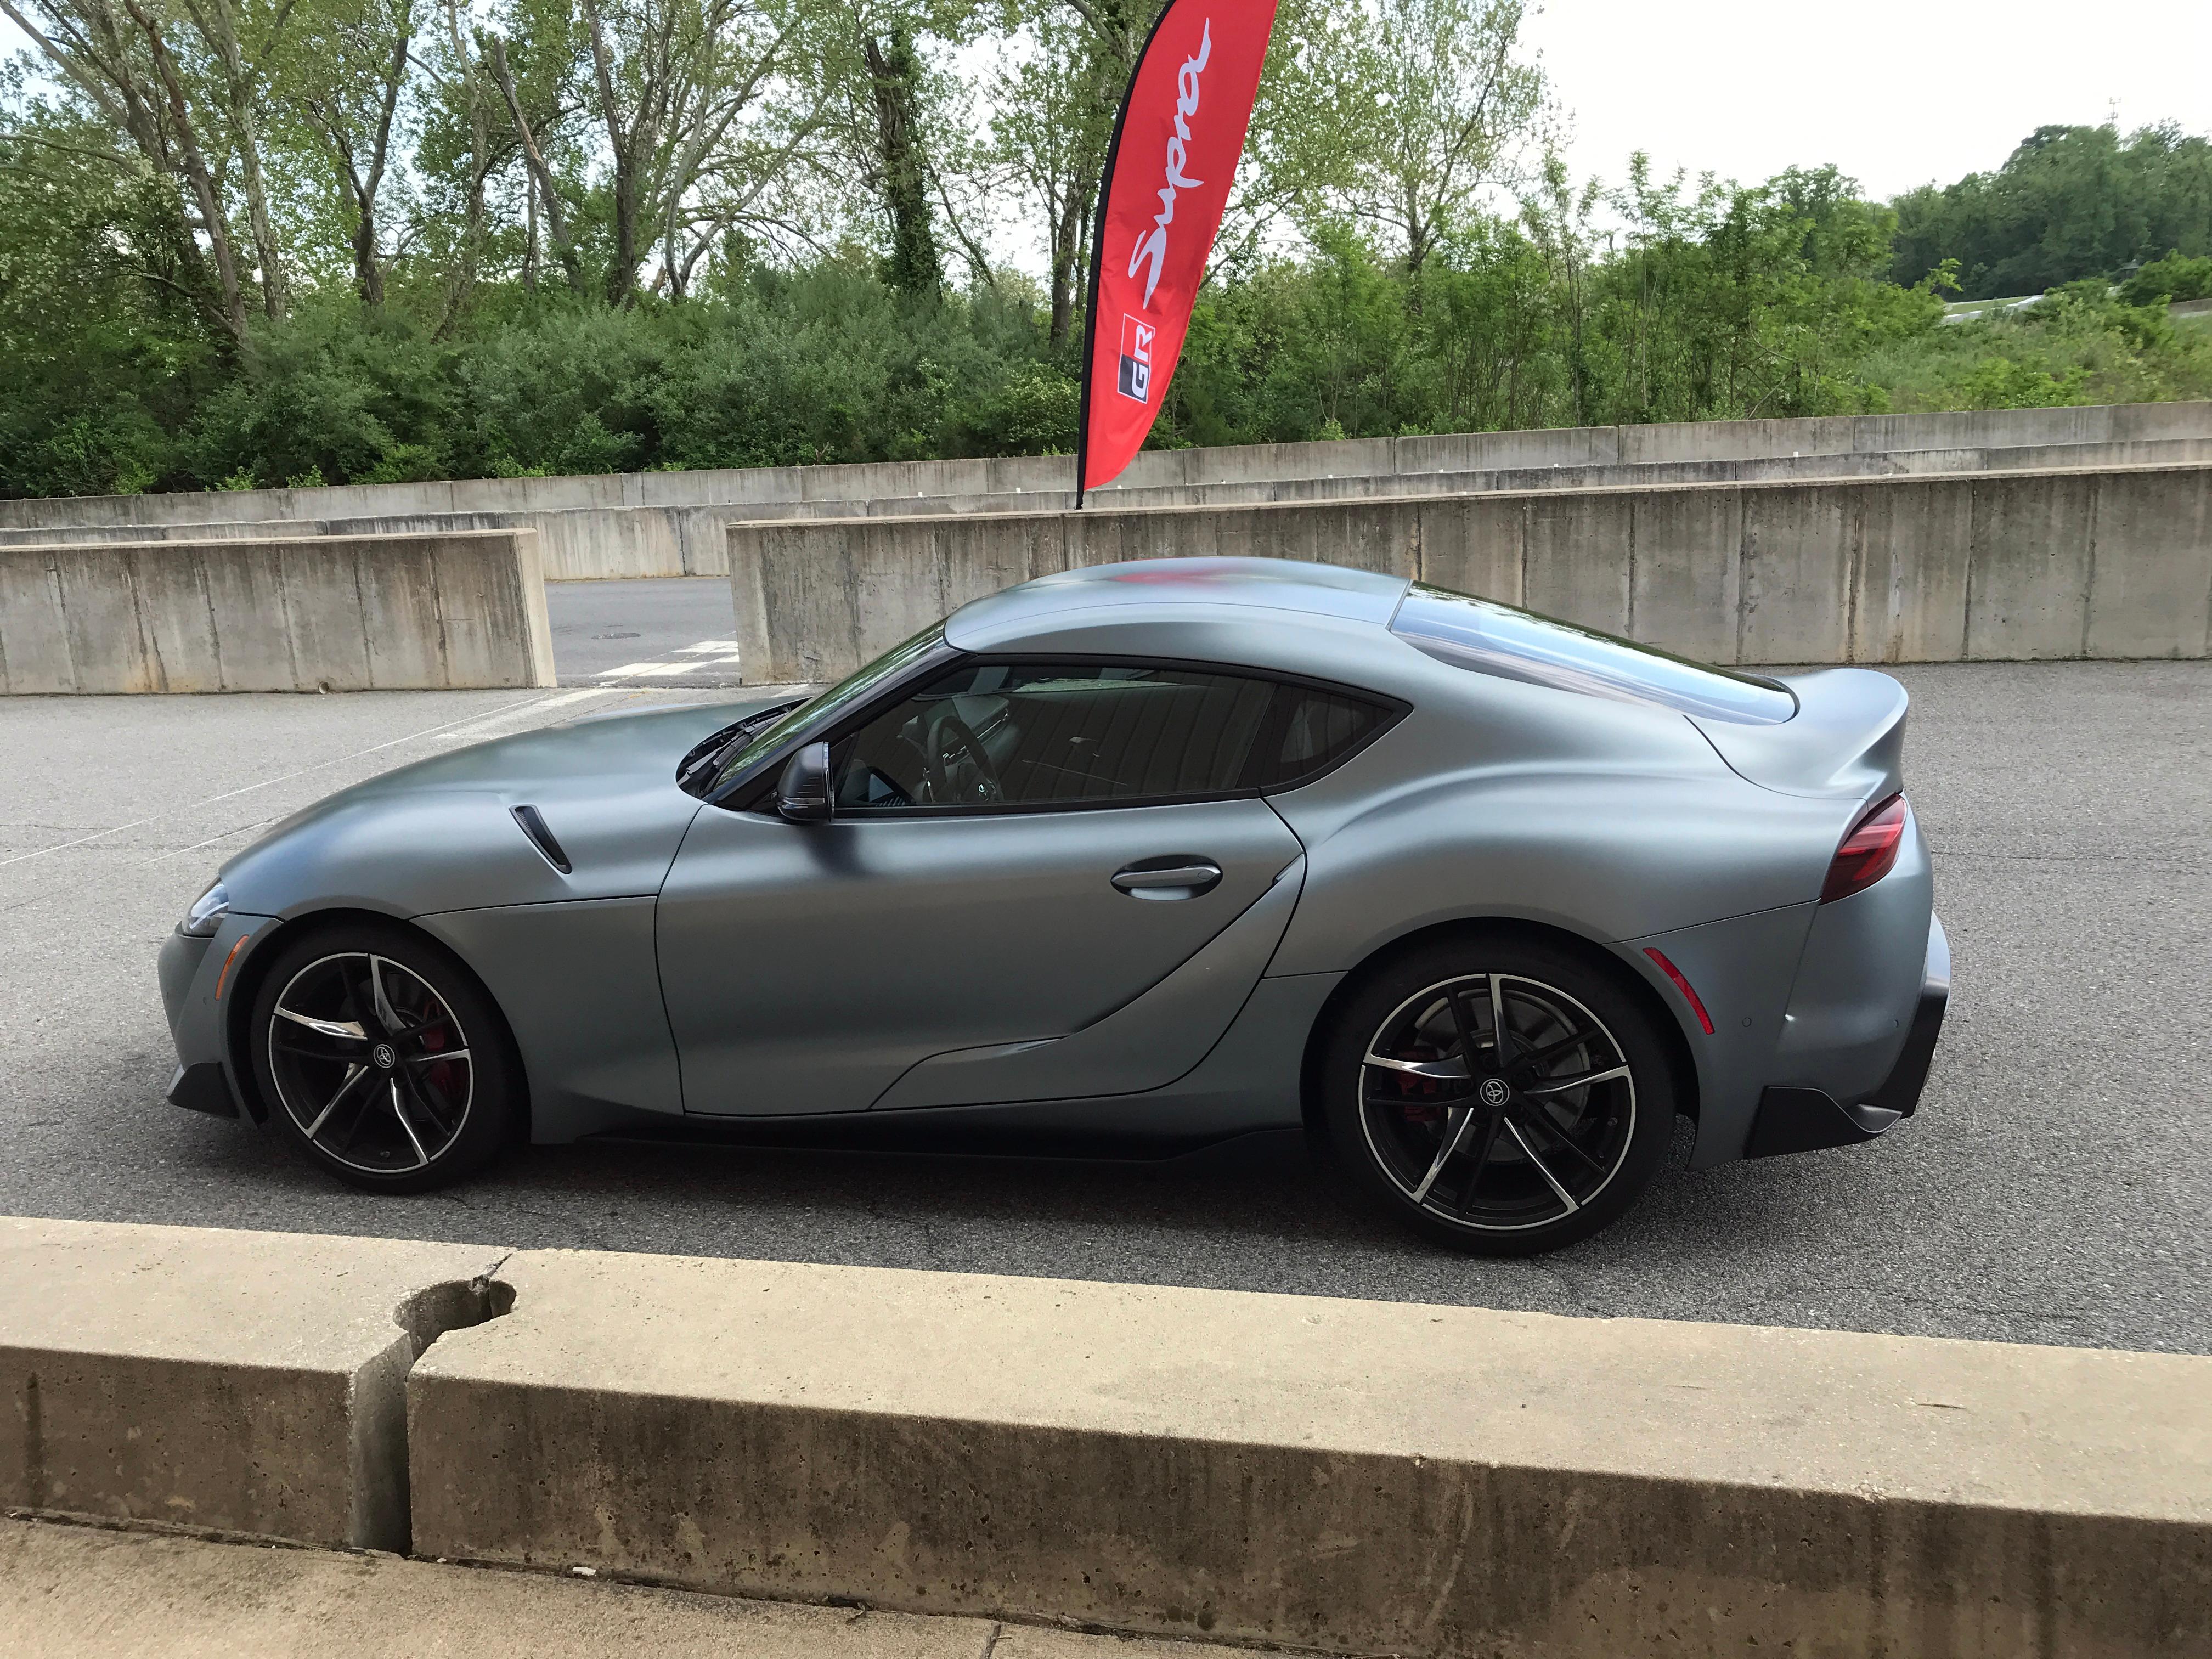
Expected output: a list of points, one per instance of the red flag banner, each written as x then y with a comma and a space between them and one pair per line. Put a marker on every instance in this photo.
1167, 173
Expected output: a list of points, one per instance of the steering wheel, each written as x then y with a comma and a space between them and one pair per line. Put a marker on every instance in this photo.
957, 768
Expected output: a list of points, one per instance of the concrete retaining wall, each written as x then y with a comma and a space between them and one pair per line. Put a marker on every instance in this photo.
337, 613
601, 543
1346, 1476
1369, 486
669, 524
2110, 562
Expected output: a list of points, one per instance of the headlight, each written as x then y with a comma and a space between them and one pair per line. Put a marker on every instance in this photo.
207, 912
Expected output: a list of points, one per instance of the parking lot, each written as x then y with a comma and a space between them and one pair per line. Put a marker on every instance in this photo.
673, 632
2054, 1188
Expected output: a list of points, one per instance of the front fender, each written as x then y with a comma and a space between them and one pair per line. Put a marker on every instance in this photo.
399, 855
407, 854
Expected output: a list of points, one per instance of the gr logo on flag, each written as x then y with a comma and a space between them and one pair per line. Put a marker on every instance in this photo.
1136, 376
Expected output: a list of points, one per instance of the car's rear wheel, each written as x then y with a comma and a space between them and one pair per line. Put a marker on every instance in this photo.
1498, 1094
379, 1057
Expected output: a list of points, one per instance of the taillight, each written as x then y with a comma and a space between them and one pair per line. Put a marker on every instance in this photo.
1868, 852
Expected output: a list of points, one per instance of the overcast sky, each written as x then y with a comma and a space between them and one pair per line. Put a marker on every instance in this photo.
1896, 93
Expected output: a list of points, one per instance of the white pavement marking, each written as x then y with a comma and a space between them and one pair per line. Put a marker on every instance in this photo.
536, 706
336, 760
568, 697
702, 654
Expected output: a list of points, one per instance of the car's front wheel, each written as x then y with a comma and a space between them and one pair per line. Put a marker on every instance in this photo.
1498, 1094
378, 1056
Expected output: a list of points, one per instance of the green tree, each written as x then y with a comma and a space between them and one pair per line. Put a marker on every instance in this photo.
2069, 203
1412, 113
2176, 276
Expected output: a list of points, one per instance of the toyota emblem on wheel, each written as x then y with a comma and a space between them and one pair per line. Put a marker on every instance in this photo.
1494, 1091
384, 1057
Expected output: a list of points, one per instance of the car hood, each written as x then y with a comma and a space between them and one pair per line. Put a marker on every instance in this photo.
441, 834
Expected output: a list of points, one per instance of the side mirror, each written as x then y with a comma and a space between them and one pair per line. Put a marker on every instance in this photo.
802, 793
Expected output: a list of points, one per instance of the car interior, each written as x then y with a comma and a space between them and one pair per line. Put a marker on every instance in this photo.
1033, 734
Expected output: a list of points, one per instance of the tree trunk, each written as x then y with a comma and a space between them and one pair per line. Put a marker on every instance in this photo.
461, 279
622, 276
242, 98
530, 246
193, 164
895, 75
275, 299
1067, 240
368, 272
541, 175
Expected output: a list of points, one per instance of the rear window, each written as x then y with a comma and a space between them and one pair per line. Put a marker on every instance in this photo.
1489, 638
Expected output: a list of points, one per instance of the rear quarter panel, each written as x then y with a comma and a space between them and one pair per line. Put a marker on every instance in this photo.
1610, 820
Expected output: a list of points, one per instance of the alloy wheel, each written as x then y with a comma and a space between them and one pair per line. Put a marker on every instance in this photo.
1497, 1101
370, 1063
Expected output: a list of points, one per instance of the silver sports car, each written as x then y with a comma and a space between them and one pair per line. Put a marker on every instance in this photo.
1163, 853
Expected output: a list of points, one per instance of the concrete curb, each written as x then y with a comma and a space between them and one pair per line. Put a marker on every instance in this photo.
1334, 1473
238, 1383
1331, 1474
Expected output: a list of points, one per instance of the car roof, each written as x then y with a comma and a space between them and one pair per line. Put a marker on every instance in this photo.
1279, 584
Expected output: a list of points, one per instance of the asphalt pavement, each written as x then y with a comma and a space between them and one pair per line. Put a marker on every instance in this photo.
670, 632
2055, 1186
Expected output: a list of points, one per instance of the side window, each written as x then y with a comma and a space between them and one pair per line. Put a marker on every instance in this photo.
1066, 734
1054, 734
1310, 730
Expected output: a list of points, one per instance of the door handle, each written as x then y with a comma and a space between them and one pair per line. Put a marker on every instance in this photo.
1181, 875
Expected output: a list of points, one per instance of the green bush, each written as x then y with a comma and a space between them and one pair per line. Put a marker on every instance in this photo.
1713, 302
2174, 278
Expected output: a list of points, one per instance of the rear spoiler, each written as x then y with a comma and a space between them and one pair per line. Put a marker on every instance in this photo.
1845, 743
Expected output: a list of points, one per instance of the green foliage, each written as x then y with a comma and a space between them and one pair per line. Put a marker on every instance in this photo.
2176, 276
2069, 203
536, 284
2001, 383
2081, 345
1033, 412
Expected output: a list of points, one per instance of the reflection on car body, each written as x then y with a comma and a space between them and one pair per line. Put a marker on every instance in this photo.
1161, 852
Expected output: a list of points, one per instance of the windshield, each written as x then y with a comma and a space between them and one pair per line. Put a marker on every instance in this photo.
853, 688
1490, 638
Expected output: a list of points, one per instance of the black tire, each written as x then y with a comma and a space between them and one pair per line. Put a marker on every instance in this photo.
1531, 1165
403, 1091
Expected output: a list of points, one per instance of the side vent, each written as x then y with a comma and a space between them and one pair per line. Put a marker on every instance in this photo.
533, 825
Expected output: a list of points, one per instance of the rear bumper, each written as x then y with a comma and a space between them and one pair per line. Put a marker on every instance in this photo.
1801, 1119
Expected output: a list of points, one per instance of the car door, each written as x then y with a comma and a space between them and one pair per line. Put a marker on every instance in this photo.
1017, 852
